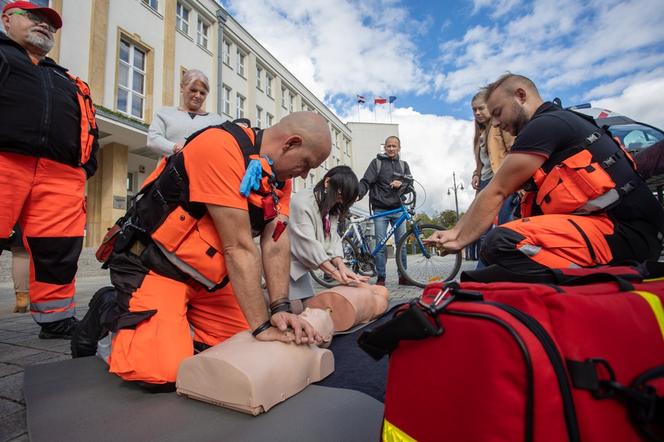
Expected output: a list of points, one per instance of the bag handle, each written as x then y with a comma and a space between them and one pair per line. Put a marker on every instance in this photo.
646, 407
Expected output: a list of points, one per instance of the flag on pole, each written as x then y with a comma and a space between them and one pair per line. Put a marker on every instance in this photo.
391, 99
380, 100
360, 99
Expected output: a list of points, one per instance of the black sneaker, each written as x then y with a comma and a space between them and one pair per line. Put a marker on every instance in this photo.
91, 330
62, 329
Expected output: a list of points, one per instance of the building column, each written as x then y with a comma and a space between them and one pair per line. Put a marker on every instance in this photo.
112, 202
168, 73
97, 56
251, 88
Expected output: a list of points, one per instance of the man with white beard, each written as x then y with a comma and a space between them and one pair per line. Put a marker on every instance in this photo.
48, 144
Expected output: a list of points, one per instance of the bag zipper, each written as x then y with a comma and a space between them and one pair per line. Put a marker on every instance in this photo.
528, 430
545, 339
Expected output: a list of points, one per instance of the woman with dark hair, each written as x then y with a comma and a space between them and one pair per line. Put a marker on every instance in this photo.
312, 228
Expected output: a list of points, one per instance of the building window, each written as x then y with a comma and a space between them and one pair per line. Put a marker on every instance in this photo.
291, 102
259, 77
347, 147
240, 62
227, 100
268, 84
335, 137
284, 97
259, 116
240, 106
227, 52
182, 18
311, 180
268, 119
131, 79
202, 33
154, 4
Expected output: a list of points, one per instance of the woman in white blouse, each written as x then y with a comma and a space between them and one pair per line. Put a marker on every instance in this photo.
172, 125
312, 228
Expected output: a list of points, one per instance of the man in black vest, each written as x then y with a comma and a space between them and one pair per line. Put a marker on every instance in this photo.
45, 159
585, 204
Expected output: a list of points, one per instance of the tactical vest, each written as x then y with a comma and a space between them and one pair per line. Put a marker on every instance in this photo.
163, 217
583, 179
89, 131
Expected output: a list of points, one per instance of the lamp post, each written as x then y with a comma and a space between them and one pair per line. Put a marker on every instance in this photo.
455, 188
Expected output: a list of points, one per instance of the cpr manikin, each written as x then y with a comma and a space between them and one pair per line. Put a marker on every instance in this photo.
248, 375
351, 306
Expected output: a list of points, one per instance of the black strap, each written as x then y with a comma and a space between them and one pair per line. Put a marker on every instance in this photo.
261, 328
645, 406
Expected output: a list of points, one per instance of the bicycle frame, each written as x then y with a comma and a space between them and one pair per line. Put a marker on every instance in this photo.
405, 216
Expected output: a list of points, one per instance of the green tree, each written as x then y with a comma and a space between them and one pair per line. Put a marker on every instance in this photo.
446, 218
424, 218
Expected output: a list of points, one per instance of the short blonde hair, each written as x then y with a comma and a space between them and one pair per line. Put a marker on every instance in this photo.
192, 75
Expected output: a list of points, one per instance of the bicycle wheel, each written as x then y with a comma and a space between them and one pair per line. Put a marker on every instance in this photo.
425, 263
365, 264
351, 259
323, 278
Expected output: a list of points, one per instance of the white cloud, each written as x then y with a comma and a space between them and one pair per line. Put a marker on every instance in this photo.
348, 48
641, 101
560, 44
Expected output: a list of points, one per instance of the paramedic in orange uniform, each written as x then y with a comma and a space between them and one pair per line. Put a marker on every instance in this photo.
48, 144
199, 273
585, 205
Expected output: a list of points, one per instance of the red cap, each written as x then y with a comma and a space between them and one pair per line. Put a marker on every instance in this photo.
49, 13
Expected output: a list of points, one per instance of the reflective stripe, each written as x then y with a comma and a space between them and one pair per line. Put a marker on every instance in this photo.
55, 316
599, 203
530, 250
186, 268
654, 279
656, 305
393, 434
47, 306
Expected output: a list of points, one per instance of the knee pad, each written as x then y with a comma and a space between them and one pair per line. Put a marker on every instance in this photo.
55, 259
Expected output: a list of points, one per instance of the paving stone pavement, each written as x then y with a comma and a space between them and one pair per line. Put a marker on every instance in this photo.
20, 346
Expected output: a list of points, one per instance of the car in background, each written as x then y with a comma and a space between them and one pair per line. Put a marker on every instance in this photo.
635, 136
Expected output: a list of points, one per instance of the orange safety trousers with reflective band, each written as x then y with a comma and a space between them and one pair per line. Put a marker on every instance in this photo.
153, 350
47, 198
553, 241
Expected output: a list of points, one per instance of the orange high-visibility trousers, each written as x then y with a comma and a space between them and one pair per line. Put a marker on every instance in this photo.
47, 198
550, 241
153, 349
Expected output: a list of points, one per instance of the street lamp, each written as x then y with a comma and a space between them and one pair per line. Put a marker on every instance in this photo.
455, 188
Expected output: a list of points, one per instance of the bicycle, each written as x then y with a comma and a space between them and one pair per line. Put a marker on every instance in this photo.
423, 264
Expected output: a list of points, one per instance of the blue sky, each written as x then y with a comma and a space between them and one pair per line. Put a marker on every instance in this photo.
434, 55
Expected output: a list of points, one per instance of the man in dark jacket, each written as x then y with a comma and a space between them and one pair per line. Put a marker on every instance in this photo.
383, 179
45, 158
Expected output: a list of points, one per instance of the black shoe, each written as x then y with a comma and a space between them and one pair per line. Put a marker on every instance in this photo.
62, 329
91, 329
380, 281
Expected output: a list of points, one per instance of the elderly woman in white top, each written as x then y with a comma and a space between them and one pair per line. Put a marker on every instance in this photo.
312, 228
172, 125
